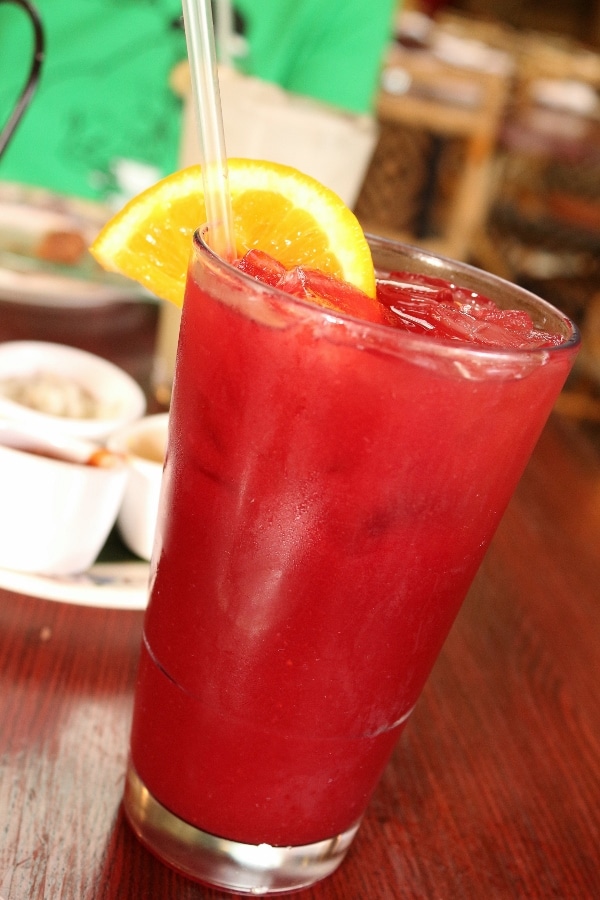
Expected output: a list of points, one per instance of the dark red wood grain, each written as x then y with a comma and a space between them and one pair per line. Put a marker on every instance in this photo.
493, 791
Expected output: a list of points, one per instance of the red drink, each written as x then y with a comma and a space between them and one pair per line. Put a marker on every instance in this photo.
330, 489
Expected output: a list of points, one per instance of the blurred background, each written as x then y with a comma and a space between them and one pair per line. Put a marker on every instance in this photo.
489, 118
468, 126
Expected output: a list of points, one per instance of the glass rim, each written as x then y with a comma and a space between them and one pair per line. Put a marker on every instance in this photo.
389, 336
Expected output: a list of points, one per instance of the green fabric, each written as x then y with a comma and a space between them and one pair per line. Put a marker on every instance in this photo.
103, 95
331, 51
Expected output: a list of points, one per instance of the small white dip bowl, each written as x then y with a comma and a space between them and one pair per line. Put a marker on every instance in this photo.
58, 506
143, 444
66, 390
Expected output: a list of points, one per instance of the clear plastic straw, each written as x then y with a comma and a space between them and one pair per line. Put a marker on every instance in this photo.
200, 41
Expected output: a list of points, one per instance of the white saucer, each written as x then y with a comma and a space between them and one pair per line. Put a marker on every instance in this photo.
117, 580
26, 215
121, 585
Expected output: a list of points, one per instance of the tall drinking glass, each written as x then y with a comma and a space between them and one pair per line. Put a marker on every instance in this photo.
330, 489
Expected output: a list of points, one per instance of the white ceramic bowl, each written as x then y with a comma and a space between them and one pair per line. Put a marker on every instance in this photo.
82, 395
57, 509
143, 444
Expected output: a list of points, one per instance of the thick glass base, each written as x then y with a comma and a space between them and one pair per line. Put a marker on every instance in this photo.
230, 865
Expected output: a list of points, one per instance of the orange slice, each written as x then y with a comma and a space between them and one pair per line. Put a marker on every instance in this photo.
276, 209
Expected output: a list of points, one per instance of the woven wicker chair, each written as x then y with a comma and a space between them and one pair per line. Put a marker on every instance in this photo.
431, 176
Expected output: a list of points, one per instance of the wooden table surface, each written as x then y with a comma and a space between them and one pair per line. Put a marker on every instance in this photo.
494, 789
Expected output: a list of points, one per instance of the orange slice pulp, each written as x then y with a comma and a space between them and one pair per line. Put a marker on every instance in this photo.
276, 209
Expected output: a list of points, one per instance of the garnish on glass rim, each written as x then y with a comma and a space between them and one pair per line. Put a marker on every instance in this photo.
276, 209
